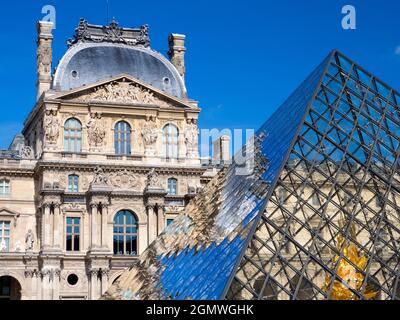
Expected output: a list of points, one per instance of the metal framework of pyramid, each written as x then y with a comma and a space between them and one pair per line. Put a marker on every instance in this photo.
317, 218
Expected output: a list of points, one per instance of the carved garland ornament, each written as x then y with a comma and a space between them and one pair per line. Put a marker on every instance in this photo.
125, 180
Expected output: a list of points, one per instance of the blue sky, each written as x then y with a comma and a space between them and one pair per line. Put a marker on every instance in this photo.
243, 57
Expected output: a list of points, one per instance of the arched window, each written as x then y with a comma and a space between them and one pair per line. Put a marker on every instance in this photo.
172, 186
73, 135
125, 234
10, 288
122, 138
4, 188
73, 183
170, 142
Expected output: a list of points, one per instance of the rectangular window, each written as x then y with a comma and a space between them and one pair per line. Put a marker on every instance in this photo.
172, 187
169, 221
5, 236
73, 183
4, 188
73, 234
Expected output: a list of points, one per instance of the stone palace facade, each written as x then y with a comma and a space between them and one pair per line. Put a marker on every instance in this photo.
107, 158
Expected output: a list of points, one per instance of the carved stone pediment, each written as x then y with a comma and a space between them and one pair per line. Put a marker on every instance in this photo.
10, 214
121, 91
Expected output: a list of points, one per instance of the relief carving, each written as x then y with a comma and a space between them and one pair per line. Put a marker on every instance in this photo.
153, 181
174, 209
123, 92
96, 130
44, 60
26, 152
125, 180
62, 180
100, 178
192, 138
85, 183
51, 126
150, 133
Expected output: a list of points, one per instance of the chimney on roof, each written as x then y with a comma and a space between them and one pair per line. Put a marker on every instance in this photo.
44, 56
221, 154
176, 52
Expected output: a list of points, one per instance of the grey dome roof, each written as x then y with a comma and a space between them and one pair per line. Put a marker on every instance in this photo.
88, 63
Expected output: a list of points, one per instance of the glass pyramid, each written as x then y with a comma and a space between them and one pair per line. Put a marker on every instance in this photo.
316, 217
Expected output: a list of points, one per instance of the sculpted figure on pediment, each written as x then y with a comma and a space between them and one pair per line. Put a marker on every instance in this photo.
124, 92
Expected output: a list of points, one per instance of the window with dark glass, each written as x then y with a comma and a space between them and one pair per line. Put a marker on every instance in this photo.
5, 288
125, 234
73, 135
169, 221
73, 183
170, 139
73, 233
172, 186
5, 236
122, 138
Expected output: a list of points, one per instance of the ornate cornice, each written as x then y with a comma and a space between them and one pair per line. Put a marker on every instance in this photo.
134, 168
12, 172
112, 33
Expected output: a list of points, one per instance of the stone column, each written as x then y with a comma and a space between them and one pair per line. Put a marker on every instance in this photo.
94, 284
57, 227
56, 284
46, 240
104, 280
160, 219
142, 237
47, 276
93, 225
152, 224
181, 146
104, 215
